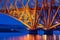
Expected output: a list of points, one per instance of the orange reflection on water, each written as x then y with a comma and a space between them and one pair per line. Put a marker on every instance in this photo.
35, 37
31, 37
25, 37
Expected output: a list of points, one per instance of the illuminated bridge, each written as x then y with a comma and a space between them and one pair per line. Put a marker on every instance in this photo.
35, 14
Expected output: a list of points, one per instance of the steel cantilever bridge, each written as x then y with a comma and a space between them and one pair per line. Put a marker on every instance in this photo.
34, 14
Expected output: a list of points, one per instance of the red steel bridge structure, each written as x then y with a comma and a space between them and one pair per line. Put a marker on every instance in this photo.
48, 13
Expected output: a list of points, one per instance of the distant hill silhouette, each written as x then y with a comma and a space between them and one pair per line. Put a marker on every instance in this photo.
11, 28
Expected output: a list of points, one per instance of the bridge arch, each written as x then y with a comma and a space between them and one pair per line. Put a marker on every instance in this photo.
30, 16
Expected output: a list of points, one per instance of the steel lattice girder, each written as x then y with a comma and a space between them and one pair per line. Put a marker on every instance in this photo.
34, 14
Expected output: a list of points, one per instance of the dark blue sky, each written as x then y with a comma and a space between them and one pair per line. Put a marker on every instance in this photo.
5, 19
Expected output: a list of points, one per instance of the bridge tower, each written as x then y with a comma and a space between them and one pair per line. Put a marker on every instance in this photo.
42, 14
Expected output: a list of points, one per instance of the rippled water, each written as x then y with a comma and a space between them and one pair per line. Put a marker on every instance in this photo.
19, 36
24, 35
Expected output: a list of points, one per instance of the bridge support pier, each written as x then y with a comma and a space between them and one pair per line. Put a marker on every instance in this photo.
48, 32
34, 32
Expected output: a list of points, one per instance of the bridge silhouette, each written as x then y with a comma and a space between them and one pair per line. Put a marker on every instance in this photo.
41, 15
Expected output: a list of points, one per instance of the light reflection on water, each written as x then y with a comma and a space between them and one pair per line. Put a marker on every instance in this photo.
24, 35
34, 37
